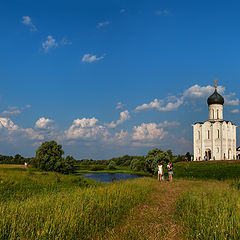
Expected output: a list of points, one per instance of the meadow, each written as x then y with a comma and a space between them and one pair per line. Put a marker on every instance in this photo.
204, 202
40, 205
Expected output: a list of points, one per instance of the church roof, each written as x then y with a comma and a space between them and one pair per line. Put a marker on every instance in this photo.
215, 98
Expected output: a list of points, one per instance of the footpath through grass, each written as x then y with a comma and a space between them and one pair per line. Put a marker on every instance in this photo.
38, 205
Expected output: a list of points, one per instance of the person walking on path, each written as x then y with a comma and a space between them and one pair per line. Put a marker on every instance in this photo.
170, 171
160, 172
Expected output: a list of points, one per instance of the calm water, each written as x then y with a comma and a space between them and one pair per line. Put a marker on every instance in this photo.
107, 177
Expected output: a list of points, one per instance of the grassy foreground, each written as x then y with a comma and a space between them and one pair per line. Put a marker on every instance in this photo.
40, 206
210, 211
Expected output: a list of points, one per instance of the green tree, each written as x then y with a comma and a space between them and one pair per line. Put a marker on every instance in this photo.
154, 157
112, 165
49, 158
138, 164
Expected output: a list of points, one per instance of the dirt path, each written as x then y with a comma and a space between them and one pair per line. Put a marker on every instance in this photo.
154, 219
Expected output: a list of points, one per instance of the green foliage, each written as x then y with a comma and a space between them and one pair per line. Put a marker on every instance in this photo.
138, 164
112, 165
49, 158
97, 168
154, 157
210, 212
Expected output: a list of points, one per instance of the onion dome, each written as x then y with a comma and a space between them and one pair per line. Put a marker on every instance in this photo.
215, 98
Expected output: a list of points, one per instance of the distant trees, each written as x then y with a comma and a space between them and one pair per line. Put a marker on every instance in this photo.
49, 158
155, 157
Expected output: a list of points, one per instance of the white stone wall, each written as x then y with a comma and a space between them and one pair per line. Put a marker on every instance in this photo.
215, 112
218, 136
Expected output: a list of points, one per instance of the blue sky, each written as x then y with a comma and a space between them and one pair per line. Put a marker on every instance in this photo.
109, 78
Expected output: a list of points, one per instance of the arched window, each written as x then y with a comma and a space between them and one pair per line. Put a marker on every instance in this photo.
208, 132
218, 150
217, 114
199, 135
218, 133
213, 114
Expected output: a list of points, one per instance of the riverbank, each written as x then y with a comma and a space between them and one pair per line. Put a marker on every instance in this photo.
47, 205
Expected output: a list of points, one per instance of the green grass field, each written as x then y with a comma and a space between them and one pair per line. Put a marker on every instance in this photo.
46, 205
40, 205
217, 170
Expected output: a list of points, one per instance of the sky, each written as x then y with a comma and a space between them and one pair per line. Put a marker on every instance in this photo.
110, 78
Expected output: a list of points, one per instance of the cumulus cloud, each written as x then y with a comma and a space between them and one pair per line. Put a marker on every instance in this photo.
85, 128
102, 24
89, 58
124, 116
148, 131
197, 91
43, 123
50, 43
193, 93
26, 20
119, 105
159, 105
11, 111
12, 129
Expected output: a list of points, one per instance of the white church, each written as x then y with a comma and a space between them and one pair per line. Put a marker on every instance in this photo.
215, 139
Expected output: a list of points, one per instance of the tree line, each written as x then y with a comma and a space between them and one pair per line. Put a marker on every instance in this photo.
49, 157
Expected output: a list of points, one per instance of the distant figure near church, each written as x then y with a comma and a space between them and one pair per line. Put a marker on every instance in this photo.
215, 139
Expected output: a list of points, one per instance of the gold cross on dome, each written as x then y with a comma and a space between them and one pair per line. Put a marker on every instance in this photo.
215, 83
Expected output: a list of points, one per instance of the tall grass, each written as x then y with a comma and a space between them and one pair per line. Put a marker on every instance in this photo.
72, 213
211, 212
208, 170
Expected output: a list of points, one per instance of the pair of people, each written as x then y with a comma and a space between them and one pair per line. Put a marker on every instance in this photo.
160, 172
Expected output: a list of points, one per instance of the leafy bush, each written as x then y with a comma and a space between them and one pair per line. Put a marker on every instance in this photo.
154, 158
112, 165
97, 168
137, 164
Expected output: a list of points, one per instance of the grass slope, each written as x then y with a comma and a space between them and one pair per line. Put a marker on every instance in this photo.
218, 170
39, 205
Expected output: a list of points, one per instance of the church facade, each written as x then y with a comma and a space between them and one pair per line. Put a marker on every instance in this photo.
214, 139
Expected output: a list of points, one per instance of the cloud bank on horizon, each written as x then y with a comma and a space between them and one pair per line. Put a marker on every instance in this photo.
91, 132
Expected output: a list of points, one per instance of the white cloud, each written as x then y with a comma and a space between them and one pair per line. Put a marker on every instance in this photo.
158, 105
119, 105
232, 102
235, 111
11, 111
8, 124
49, 44
26, 20
102, 24
13, 129
148, 131
197, 91
164, 12
43, 123
124, 116
89, 58
86, 128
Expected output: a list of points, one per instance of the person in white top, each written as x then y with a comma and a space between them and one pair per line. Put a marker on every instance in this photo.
160, 172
